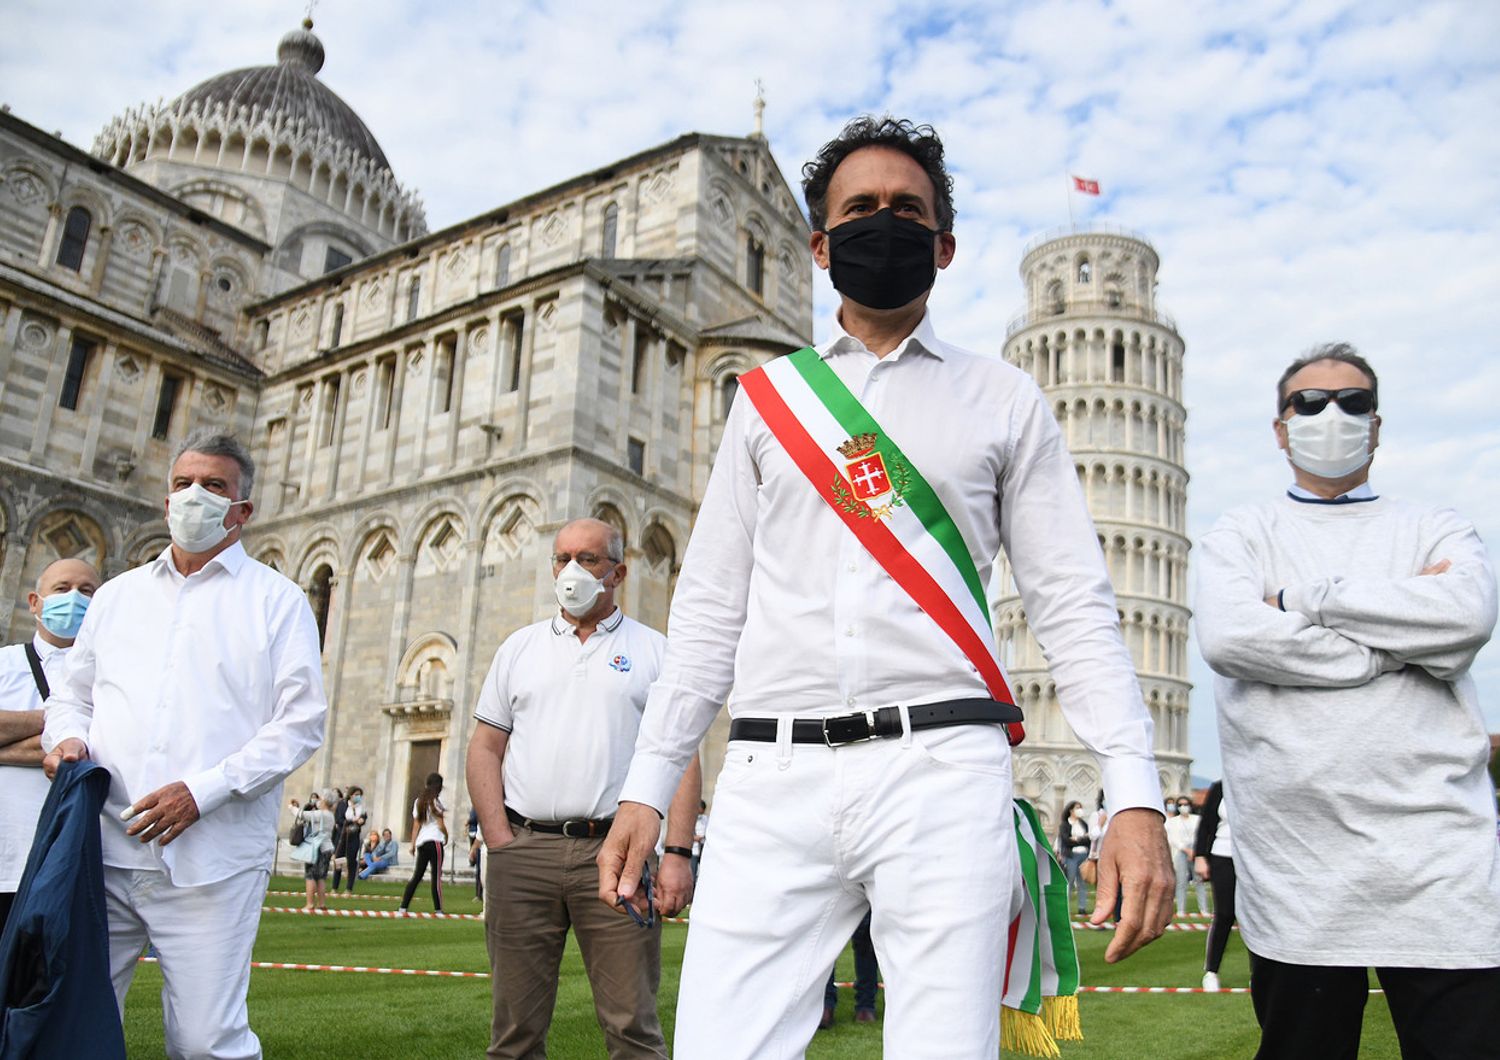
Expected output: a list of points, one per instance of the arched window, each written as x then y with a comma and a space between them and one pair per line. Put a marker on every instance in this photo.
727, 390
320, 597
502, 266
1085, 271
1055, 297
611, 231
75, 238
755, 265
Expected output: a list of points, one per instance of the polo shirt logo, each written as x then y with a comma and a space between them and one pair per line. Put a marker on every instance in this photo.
621, 663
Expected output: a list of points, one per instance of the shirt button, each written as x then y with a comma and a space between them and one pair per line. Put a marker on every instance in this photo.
853, 567
848, 631
849, 700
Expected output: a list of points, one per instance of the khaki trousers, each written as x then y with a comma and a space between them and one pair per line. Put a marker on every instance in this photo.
535, 889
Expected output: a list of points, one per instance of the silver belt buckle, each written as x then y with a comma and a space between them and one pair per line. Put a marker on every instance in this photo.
847, 723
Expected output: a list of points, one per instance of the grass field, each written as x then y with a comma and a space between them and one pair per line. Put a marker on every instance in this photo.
300, 1014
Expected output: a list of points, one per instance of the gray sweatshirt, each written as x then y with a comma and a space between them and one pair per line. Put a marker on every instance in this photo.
1353, 744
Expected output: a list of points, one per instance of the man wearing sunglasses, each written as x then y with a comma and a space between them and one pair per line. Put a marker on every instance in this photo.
559, 712
1341, 625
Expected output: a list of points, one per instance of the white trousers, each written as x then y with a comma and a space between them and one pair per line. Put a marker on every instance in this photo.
203, 936
919, 829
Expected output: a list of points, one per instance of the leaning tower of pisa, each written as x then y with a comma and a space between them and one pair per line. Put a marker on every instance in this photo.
1111, 364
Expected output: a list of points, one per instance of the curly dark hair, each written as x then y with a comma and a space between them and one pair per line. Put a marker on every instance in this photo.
1328, 351
919, 141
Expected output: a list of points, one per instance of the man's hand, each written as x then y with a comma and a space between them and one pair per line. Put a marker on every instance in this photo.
1134, 857
622, 857
163, 815
1436, 568
1200, 865
70, 750
674, 884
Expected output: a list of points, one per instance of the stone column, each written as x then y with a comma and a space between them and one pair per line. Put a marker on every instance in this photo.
61, 345
406, 568
340, 408
456, 387
49, 237
529, 324
11, 332
96, 418
334, 669
101, 259
393, 431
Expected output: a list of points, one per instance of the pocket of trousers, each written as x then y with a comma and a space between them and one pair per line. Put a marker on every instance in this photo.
980, 749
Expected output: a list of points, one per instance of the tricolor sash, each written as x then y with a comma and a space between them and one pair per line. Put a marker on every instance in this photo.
882, 498
1039, 996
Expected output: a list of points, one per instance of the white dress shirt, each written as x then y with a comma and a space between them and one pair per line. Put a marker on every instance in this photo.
572, 710
779, 600
213, 679
23, 789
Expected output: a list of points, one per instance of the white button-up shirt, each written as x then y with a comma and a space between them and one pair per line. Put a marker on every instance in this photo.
779, 600
572, 710
215, 680
23, 789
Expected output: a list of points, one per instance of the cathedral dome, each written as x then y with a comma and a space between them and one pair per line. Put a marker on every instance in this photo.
290, 90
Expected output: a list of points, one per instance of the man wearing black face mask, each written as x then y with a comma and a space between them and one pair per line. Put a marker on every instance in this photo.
835, 578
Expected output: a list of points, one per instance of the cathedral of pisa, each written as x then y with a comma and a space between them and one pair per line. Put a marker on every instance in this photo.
427, 408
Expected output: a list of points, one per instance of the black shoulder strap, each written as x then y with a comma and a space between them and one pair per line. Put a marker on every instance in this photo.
36, 671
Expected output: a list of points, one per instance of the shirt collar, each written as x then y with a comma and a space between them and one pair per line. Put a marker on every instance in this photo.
232, 559
923, 337
43, 648
1359, 493
611, 622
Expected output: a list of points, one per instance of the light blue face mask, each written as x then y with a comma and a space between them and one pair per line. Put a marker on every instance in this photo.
62, 613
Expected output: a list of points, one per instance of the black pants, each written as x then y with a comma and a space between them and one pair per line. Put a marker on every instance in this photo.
348, 849
428, 853
1221, 879
1317, 1012
7, 899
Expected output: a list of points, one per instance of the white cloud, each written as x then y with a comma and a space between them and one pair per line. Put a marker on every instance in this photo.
1308, 169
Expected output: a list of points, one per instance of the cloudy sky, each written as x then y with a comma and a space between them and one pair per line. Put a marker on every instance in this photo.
1308, 170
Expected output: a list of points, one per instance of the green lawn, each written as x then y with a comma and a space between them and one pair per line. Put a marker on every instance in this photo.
321, 1014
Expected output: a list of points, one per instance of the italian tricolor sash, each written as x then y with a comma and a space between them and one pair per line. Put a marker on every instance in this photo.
882, 498
1039, 998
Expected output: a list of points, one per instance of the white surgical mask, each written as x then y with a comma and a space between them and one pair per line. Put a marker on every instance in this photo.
577, 590
1331, 444
196, 518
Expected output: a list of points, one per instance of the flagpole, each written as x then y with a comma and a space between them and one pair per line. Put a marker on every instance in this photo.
1068, 191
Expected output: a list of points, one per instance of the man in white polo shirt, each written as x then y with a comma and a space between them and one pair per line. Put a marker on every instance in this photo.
558, 712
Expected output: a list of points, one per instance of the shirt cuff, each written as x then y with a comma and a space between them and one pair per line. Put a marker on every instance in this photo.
54, 734
1306, 599
652, 781
1130, 783
210, 789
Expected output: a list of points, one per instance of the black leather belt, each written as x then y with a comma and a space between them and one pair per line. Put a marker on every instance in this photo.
580, 828
879, 724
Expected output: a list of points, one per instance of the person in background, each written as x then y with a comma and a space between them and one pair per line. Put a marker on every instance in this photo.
1182, 830
476, 853
346, 836
429, 836
386, 855
1183, 857
1073, 846
367, 852
27, 673
866, 980
1213, 858
700, 836
318, 822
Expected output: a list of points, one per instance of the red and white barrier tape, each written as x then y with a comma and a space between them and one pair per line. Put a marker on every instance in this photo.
1084, 925
340, 894
385, 914
433, 972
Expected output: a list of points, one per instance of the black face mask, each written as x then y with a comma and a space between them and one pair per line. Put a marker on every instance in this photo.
881, 261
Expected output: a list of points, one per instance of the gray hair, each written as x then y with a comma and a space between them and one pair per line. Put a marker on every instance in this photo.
210, 442
1328, 351
614, 542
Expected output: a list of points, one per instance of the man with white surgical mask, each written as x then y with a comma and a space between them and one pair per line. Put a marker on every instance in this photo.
27, 673
197, 681
1341, 625
558, 715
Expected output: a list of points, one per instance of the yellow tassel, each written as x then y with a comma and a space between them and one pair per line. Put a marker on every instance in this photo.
1025, 1032
1061, 1016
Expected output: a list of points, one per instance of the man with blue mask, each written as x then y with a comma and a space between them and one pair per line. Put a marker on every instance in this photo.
1341, 625
833, 593
197, 680
27, 673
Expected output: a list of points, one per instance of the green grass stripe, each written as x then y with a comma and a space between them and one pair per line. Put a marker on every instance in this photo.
919, 495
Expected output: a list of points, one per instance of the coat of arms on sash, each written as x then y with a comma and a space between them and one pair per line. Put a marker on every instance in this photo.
868, 488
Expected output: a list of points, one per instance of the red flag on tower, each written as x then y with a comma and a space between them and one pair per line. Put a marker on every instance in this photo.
1086, 186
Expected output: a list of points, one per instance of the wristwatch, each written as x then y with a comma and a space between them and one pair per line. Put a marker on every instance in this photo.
682, 852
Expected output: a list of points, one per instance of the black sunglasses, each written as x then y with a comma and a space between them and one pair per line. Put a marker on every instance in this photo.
1355, 400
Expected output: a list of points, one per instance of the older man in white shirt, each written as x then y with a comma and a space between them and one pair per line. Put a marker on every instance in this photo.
196, 680
27, 673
